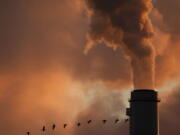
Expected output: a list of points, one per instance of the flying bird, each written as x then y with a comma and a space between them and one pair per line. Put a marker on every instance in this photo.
116, 121
53, 127
126, 120
89, 121
44, 129
28, 133
79, 124
104, 121
65, 125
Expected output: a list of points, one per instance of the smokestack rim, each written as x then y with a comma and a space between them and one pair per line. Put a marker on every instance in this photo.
144, 95
145, 90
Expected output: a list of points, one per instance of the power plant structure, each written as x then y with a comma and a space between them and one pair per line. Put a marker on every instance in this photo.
143, 112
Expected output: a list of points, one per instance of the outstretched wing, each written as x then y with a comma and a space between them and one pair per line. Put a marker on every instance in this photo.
79, 124
89, 121
116, 121
126, 120
44, 129
104, 121
65, 125
53, 126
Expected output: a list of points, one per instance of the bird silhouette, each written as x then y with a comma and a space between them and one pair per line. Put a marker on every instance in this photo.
89, 121
104, 121
116, 121
65, 125
28, 133
44, 129
53, 127
126, 120
79, 124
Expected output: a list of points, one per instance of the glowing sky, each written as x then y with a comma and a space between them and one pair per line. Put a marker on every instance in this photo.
45, 77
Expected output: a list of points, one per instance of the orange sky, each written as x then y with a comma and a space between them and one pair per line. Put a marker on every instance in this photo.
45, 76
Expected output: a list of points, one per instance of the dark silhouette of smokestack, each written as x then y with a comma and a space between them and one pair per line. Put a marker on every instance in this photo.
143, 112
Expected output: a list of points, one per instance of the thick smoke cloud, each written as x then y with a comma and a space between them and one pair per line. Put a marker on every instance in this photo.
45, 78
126, 23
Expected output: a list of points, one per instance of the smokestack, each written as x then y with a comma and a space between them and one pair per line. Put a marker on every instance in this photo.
143, 112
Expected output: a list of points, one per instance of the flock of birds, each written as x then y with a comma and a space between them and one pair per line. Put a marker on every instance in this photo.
78, 125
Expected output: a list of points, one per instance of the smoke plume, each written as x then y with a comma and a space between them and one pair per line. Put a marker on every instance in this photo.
125, 23
45, 78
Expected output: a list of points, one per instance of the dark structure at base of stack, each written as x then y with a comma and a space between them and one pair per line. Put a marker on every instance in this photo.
143, 112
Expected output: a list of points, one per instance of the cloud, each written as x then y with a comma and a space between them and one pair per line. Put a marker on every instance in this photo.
108, 105
169, 113
44, 74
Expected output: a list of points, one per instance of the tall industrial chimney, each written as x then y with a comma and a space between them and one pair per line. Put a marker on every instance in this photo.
143, 112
